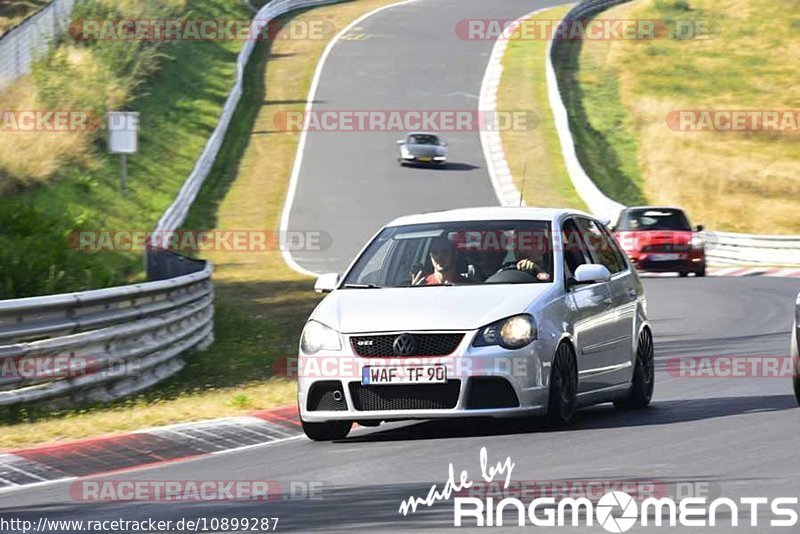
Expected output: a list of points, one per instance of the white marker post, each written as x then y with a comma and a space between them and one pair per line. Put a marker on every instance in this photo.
123, 139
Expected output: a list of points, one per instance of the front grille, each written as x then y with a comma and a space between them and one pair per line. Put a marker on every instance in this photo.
321, 396
491, 392
405, 397
382, 346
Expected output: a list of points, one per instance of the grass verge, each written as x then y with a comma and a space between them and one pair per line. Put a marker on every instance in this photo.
260, 303
534, 156
12, 12
625, 89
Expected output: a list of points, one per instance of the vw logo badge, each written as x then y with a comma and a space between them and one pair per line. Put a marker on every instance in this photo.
405, 345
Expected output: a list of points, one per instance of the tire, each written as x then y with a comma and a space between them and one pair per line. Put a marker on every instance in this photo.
797, 388
643, 382
563, 387
329, 431
683, 274
701, 271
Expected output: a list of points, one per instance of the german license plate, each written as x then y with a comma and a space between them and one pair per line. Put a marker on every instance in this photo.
665, 257
425, 159
412, 374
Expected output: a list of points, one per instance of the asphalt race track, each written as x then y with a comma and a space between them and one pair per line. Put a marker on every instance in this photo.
407, 57
732, 437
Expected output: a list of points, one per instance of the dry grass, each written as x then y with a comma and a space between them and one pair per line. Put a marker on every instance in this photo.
260, 303
12, 12
27, 156
137, 415
746, 182
534, 155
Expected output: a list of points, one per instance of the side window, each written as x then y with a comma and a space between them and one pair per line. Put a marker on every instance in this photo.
613, 246
603, 249
575, 253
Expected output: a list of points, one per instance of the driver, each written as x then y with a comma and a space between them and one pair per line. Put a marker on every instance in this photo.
445, 271
532, 258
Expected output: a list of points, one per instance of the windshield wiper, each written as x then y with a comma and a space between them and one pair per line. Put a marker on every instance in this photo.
361, 286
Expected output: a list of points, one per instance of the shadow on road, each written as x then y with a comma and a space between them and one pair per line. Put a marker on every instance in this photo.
596, 417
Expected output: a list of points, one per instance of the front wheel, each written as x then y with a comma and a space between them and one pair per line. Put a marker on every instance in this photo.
643, 383
563, 387
701, 271
797, 388
328, 431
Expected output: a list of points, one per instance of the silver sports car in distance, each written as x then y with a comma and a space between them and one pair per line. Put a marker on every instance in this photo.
422, 148
476, 312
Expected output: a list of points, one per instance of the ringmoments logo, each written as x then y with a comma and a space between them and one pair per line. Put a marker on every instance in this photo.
615, 511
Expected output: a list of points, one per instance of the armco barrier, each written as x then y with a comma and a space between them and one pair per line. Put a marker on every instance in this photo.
21, 45
130, 337
721, 247
133, 336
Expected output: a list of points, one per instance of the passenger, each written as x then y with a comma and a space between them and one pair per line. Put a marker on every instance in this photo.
445, 270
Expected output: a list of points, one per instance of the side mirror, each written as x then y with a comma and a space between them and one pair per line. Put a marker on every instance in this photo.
699, 228
444, 144
326, 283
591, 273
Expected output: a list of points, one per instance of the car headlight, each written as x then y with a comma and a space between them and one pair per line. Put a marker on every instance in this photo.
512, 333
316, 337
697, 243
440, 158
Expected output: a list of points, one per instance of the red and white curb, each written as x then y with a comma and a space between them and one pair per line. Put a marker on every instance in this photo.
145, 448
491, 141
771, 272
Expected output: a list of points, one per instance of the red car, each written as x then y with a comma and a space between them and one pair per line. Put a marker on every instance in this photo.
659, 239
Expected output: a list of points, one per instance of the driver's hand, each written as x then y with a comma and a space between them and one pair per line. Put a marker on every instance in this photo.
418, 279
528, 266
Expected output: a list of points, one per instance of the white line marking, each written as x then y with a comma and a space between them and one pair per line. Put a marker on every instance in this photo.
298, 160
492, 143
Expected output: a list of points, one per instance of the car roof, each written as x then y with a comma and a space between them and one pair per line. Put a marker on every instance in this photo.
632, 208
422, 133
487, 214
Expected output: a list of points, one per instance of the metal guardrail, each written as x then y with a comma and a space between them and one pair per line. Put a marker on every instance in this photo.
106, 344
721, 247
103, 344
22, 45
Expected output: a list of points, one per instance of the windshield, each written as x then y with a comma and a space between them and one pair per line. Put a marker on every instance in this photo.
459, 253
423, 140
654, 219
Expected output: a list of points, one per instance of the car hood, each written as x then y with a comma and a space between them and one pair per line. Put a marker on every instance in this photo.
655, 237
426, 150
424, 308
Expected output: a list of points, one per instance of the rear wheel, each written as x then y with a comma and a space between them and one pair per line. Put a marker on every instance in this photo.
563, 387
329, 431
641, 391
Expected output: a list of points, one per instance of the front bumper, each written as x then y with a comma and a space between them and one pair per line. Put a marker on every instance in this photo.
687, 262
485, 381
414, 160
